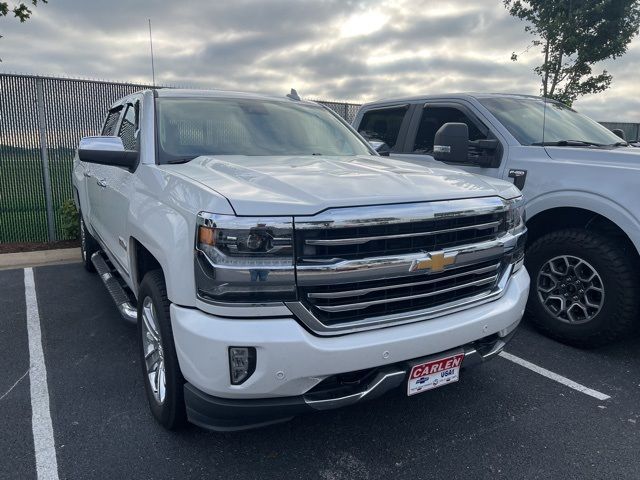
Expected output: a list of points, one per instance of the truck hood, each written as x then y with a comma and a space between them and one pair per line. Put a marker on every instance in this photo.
628, 157
306, 185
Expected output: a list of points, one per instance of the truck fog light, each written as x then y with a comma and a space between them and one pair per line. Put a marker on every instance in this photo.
242, 363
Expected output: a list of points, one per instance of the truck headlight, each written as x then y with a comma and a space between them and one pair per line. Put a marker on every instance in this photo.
244, 259
516, 218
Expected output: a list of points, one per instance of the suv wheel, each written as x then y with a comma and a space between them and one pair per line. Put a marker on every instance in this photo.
584, 288
163, 381
88, 245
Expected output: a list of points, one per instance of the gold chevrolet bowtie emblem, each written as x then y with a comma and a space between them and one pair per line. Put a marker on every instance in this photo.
434, 261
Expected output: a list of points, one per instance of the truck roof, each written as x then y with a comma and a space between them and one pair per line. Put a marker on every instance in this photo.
195, 93
448, 96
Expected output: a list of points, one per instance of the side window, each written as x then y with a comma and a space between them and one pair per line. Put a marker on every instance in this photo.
383, 125
128, 128
433, 118
110, 123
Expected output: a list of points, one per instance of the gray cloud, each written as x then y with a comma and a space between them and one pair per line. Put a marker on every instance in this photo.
346, 50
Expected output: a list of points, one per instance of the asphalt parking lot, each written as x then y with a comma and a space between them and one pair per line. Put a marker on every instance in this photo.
501, 420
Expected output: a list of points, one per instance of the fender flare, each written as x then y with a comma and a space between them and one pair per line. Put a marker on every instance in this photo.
604, 206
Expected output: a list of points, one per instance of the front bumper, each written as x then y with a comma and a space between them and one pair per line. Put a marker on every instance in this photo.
223, 414
291, 361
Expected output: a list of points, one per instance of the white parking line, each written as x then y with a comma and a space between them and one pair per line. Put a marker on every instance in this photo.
43, 442
554, 376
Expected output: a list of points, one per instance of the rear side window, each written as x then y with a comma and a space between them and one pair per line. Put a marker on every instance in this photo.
110, 123
383, 125
433, 118
128, 129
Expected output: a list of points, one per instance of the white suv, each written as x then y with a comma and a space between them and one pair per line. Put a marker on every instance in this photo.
275, 264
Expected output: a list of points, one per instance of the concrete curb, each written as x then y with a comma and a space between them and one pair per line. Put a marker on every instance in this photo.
39, 258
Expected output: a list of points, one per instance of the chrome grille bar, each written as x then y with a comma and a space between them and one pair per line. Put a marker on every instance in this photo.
365, 291
361, 305
363, 240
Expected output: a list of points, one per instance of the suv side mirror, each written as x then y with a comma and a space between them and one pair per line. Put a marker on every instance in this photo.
451, 143
380, 147
107, 151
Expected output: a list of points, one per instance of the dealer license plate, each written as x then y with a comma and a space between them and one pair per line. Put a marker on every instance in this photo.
434, 374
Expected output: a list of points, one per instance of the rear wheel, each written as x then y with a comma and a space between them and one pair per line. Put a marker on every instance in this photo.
163, 381
584, 290
88, 245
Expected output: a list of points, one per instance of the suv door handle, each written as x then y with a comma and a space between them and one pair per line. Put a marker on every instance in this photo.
101, 183
87, 174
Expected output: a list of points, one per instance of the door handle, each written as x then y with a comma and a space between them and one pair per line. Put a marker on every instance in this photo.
519, 177
101, 183
87, 174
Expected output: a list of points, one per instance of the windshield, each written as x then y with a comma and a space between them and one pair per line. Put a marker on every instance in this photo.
190, 127
524, 120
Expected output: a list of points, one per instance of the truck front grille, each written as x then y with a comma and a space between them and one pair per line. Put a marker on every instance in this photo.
355, 267
395, 238
346, 303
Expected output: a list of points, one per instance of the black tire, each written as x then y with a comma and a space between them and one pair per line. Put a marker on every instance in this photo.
618, 307
88, 245
170, 412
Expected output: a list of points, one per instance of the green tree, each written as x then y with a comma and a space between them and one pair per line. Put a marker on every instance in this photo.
20, 10
574, 35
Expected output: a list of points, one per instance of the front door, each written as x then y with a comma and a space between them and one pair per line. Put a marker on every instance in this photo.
427, 120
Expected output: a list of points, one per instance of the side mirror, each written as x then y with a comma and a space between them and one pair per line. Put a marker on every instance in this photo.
619, 132
451, 143
107, 151
380, 147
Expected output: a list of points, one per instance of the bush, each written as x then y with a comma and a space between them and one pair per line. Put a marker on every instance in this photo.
70, 223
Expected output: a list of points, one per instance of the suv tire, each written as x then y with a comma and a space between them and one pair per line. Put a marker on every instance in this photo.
165, 387
568, 268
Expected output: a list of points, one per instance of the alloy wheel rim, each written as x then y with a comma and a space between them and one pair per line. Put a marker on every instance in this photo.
570, 289
153, 352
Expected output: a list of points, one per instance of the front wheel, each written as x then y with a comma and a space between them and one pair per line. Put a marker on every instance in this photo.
163, 381
584, 290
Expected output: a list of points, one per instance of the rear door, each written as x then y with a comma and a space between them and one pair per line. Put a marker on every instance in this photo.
429, 117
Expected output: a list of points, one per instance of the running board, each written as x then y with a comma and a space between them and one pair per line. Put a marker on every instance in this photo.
120, 297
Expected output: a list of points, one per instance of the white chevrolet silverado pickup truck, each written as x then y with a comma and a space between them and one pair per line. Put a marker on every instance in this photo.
580, 184
275, 264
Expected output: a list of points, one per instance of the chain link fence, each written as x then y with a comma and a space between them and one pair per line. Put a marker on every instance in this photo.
41, 122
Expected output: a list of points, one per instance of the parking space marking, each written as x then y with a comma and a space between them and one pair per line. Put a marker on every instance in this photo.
44, 445
554, 376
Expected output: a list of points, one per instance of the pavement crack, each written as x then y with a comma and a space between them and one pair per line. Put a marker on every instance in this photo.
14, 385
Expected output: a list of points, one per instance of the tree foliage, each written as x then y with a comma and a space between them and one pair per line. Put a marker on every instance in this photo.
574, 35
20, 10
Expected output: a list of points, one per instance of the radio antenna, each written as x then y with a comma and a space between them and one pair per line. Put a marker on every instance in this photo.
153, 70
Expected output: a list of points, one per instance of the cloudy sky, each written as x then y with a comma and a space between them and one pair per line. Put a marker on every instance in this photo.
333, 49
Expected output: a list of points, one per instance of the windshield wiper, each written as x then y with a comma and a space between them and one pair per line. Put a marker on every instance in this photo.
569, 143
620, 144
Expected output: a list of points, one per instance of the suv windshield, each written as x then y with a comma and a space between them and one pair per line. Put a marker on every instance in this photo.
562, 125
189, 127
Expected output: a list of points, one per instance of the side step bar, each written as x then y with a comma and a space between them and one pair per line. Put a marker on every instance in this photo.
120, 297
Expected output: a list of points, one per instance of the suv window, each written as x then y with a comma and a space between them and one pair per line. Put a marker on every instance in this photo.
433, 118
128, 129
383, 124
110, 123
